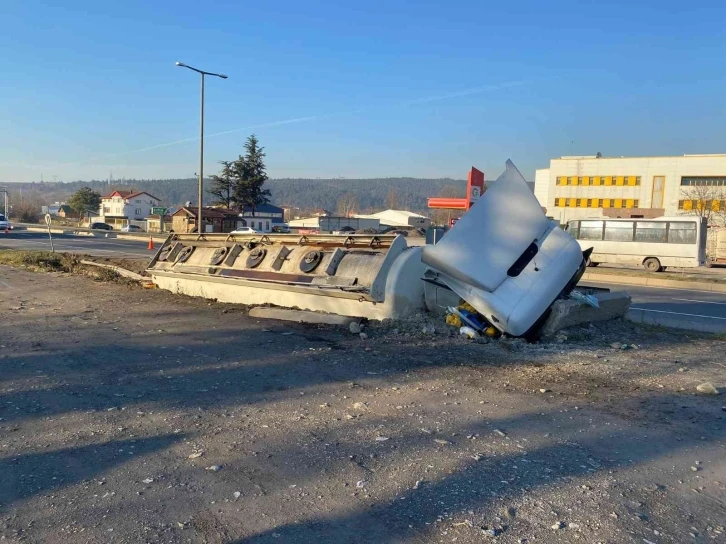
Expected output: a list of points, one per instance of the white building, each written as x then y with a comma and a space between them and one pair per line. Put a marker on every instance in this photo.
121, 207
399, 218
593, 186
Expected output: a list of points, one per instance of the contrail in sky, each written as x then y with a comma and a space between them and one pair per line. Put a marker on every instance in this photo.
425, 100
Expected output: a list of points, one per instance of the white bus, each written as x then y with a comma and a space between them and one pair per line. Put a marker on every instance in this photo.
653, 243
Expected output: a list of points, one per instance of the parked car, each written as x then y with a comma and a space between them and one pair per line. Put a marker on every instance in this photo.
131, 228
398, 232
281, 229
101, 226
347, 229
245, 230
4, 223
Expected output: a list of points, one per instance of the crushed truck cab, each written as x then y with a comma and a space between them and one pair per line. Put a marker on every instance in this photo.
505, 258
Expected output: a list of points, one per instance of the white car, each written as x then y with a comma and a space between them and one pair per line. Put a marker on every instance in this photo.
4, 223
131, 228
245, 230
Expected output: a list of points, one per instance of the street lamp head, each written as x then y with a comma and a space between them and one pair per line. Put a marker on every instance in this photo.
181, 64
222, 76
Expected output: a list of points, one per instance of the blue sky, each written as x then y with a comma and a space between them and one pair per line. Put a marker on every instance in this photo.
355, 89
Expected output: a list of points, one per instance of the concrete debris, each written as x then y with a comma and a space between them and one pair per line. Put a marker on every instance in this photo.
500, 432
707, 388
355, 327
559, 525
196, 454
616, 345
569, 313
148, 480
428, 329
382, 438
545, 390
214, 468
236, 495
363, 336
442, 442
361, 484
418, 484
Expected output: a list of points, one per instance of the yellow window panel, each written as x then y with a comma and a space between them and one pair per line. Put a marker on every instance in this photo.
629, 203
619, 180
596, 180
583, 203
586, 180
688, 204
606, 203
608, 180
573, 203
618, 203
631, 180
573, 180
716, 205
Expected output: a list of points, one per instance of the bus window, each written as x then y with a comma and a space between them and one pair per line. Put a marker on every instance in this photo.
619, 231
590, 230
681, 232
651, 231
573, 228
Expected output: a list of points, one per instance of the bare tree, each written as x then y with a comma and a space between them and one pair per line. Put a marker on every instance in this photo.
347, 204
392, 199
704, 201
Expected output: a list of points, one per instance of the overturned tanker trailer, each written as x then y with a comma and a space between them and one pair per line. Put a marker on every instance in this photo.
504, 257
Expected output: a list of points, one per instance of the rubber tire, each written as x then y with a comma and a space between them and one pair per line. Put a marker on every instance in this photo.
651, 264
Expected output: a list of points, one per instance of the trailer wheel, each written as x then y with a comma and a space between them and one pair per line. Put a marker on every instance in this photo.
310, 261
651, 264
218, 256
184, 254
255, 257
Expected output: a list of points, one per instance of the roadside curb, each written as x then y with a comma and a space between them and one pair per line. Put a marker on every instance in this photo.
653, 282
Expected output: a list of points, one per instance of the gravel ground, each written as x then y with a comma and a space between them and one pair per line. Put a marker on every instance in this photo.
133, 415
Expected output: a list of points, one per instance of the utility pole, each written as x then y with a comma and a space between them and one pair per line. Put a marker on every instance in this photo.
4, 190
200, 223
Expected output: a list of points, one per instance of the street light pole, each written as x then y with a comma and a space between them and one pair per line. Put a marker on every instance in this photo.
200, 223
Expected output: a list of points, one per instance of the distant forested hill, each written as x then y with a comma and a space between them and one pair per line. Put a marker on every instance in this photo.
306, 194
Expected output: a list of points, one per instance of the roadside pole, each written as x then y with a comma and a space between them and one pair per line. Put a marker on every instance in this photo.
48, 220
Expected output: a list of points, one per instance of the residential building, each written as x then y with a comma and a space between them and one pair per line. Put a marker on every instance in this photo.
263, 217
153, 223
596, 186
121, 207
215, 219
65, 211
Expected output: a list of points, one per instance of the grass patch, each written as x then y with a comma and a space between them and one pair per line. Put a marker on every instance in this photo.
45, 261
41, 261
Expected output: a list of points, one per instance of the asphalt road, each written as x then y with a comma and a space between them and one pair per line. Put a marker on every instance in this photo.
90, 245
681, 308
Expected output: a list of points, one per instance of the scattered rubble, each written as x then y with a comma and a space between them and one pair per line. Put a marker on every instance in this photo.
707, 388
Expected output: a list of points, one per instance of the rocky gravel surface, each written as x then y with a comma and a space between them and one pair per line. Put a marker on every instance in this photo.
134, 415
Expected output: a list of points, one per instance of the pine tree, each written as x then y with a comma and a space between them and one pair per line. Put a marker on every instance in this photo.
223, 185
250, 177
